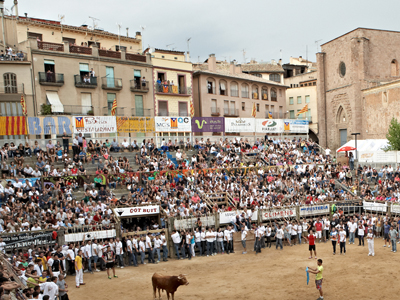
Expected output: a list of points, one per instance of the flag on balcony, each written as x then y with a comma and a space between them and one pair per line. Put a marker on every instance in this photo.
114, 107
254, 111
303, 110
191, 109
270, 115
23, 104
13, 126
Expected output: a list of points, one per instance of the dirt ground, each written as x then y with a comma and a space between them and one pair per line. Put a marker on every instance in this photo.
273, 274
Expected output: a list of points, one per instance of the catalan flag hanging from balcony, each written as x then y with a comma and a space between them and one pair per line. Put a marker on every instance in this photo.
191, 109
254, 111
23, 104
303, 110
13, 126
114, 107
270, 115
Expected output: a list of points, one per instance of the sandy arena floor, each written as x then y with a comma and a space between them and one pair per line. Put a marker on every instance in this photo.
273, 274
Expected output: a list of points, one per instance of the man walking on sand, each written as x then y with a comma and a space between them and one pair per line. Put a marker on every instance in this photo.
243, 238
311, 244
79, 269
318, 277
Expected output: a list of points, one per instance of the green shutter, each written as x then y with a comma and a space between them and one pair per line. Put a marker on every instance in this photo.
136, 73
139, 105
49, 62
84, 67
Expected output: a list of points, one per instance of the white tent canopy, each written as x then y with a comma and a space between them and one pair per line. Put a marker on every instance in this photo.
367, 145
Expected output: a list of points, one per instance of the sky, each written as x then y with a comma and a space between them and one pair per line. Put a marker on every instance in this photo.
233, 30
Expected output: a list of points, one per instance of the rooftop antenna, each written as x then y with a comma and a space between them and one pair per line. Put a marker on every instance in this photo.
142, 28
188, 42
61, 17
169, 45
280, 53
119, 36
94, 21
317, 43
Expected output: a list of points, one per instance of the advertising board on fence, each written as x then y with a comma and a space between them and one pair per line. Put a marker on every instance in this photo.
373, 206
91, 235
28, 239
395, 208
191, 222
377, 156
135, 124
314, 210
239, 125
227, 216
168, 124
278, 213
49, 125
94, 124
296, 126
137, 210
208, 124
269, 125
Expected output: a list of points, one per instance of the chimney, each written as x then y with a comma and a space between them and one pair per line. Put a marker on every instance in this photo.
16, 8
300, 58
238, 69
188, 56
280, 62
138, 35
127, 31
212, 63
232, 68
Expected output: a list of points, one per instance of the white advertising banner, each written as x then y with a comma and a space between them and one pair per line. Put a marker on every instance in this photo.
395, 208
269, 125
91, 235
296, 126
314, 210
278, 213
137, 210
239, 125
373, 206
227, 216
94, 124
191, 222
173, 124
378, 156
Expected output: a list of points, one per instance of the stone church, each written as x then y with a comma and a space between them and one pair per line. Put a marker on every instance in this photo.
358, 85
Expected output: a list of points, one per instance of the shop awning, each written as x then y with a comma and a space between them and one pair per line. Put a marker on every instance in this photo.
54, 100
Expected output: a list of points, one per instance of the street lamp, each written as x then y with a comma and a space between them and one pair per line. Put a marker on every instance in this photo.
355, 137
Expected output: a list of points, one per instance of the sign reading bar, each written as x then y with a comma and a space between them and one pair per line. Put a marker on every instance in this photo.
173, 124
138, 210
208, 124
94, 124
49, 125
314, 210
278, 213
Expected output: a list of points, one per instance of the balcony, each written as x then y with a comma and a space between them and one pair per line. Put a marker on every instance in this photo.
139, 86
211, 89
309, 118
254, 95
119, 111
50, 46
52, 79
141, 112
78, 110
11, 89
172, 114
173, 89
109, 53
135, 57
245, 94
215, 111
85, 82
80, 50
231, 112
275, 115
111, 83
234, 93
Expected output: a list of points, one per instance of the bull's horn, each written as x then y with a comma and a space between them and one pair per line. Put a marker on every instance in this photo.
184, 274
179, 277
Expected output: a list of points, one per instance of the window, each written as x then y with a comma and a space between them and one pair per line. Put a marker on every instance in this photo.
291, 114
214, 109
110, 100
245, 91
254, 92
234, 89
258, 107
272, 110
222, 88
280, 92
120, 48
10, 83
291, 101
86, 103
38, 36
394, 68
211, 86
308, 115
264, 93
183, 109
226, 107
275, 77
266, 107
49, 65
298, 99
162, 108
243, 106
314, 83
273, 95
69, 40
280, 112
307, 98
342, 69
139, 111
110, 77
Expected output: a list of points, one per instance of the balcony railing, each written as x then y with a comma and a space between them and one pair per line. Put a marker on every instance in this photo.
80, 49
172, 114
135, 57
111, 83
55, 79
141, 112
275, 115
254, 95
11, 89
50, 46
245, 94
78, 110
231, 112
211, 90
264, 96
215, 111
234, 93
223, 92
139, 86
300, 117
85, 82
109, 53
173, 89
119, 111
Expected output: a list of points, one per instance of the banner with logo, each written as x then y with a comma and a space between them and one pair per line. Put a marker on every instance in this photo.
137, 210
314, 210
269, 125
168, 124
92, 235
296, 126
94, 124
28, 239
191, 222
278, 213
227, 216
135, 124
373, 206
395, 208
49, 125
239, 125
208, 124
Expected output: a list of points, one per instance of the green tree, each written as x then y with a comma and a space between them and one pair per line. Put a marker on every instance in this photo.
393, 136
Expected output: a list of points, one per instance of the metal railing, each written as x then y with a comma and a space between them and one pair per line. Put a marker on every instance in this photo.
111, 83
141, 112
78, 110
85, 82
11, 89
215, 111
15, 56
109, 53
232, 112
275, 115
223, 92
245, 94
234, 93
50, 46
55, 78
172, 89
211, 90
172, 114
119, 111
80, 49
139, 86
300, 117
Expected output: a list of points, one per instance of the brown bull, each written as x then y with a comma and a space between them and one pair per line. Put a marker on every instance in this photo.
168, 283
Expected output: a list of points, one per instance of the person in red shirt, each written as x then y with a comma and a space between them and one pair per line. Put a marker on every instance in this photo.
311, 244
318, 229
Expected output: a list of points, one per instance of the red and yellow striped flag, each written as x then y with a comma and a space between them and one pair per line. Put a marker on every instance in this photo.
13, 126
254, 111
303, 110
191, 109
114, 107
23, 104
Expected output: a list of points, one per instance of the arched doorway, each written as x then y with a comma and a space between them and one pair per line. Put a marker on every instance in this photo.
341, 121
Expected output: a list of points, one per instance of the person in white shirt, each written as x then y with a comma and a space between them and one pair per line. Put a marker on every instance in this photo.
94, 257
268, 232
342, 241
203, 242
352, 229
125, 145
157, 247
149, 249
326, 227
176, 239
243, 237
257, 244
142, 250
210, 242
279, 237
119, 252
50, 288
370, 239
164, 246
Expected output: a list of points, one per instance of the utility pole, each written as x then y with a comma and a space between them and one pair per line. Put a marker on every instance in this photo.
119, 36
